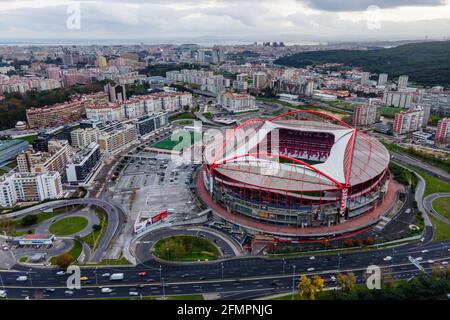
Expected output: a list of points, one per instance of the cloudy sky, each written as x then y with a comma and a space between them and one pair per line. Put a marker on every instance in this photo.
225, 20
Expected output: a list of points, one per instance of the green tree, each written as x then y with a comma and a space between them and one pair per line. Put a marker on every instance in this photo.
64, 260
29, 220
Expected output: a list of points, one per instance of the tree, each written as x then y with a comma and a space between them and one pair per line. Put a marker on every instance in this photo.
304, 287
346, 281
7, 226
309, 288
96, 227
64, 260
29, 220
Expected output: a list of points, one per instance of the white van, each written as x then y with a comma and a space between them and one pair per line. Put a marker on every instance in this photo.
2, 293
22, 278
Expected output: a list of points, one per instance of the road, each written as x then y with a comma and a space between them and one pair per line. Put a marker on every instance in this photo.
428, 204
115, 218
239, 277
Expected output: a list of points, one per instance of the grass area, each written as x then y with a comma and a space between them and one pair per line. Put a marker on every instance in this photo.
389, 112
23, 259
286, 297
30, 139
68, 226
168, 144
74, 252
433, 184
122, 261
185, 248
183, 116
442, 206
43, 216
441, 230
94, 237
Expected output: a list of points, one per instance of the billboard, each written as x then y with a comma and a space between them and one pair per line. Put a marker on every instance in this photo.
146, 220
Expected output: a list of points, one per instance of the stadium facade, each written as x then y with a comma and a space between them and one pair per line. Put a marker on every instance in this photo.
300, 169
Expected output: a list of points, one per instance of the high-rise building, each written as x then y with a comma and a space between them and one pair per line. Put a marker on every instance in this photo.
365, 78
150, 123
382, 79
20, 186
83, 164
366, 114
67, 59
403, 81
399, 99
259, 80
408, 121
443, 131
116, 92
82, 138
38, 162
54, 73
117, 136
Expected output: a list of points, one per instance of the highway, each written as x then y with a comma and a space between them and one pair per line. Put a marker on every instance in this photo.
238, 276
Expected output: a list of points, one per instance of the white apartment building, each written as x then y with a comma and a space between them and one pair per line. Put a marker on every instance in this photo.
382, 79
106, 112
403, 82
236, 102
15, 187
81, 138
400, 99
116, 137
408, 121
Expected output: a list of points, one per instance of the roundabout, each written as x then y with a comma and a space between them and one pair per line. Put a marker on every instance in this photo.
68, 226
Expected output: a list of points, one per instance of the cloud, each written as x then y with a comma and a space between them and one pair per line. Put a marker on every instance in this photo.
361, 5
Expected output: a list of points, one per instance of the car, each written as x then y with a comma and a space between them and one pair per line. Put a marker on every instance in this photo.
21, 278
49, 290
310, 269
425, 251
142, 274
422, 239
419, 258
333, 278
133, 293
60, 273
150, 280
5, 247
3, 294
444, 263
185, 275
106, 290
141, 286
106, 275
312, 258
430, 261
202, 278
388, 258
68, 292
84, 278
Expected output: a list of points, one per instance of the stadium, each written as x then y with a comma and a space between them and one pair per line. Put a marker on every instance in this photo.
299, 170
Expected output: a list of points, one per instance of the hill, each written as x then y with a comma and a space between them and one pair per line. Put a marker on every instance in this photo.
426, 63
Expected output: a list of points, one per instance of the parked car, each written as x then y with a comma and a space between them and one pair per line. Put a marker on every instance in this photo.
142, 274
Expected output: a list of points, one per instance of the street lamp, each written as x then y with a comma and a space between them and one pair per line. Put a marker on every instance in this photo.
293, 281
221, 265
29, 275
164, 289
284, 263
96, 278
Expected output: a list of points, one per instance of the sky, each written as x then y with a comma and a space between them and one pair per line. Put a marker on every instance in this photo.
225, 21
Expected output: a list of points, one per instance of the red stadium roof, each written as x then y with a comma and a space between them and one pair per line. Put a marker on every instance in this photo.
242, 155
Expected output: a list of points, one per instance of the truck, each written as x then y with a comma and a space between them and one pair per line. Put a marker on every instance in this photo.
116, 277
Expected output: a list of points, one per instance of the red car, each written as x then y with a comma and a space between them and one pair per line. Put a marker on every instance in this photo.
142, 274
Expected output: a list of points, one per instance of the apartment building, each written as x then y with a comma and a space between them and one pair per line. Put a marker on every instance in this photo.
116, 137
83, 165
408, 121
15, 187
81, 138
236, 102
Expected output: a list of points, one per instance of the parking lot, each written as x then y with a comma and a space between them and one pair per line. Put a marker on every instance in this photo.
153, 183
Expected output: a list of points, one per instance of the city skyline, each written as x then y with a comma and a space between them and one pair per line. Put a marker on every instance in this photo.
220, 21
